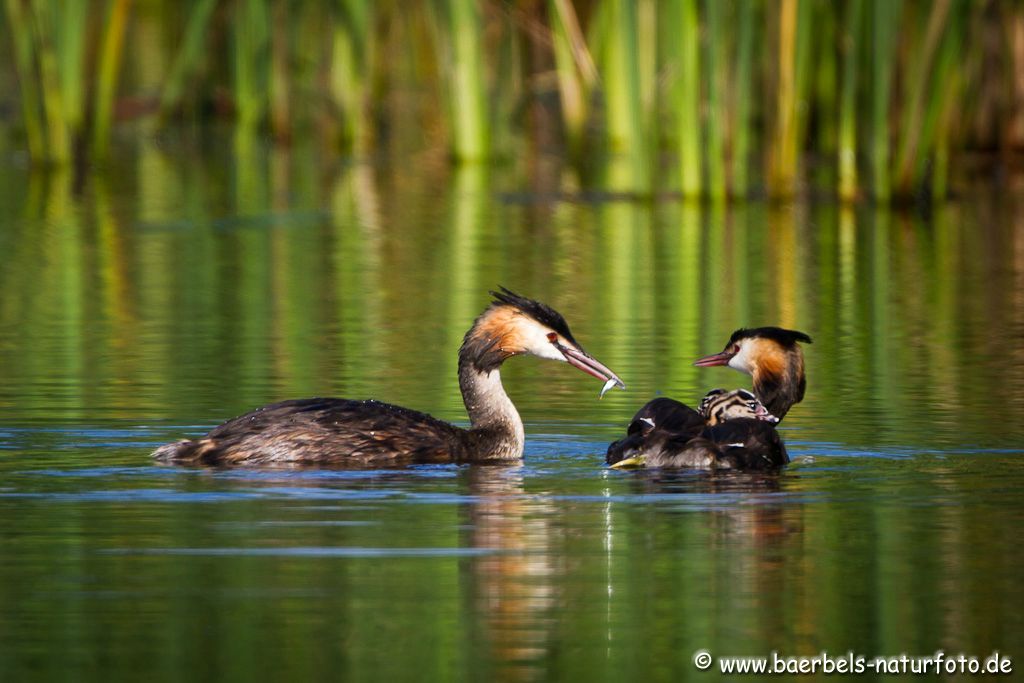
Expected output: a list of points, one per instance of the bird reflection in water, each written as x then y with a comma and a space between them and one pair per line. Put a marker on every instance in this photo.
728, 540
513, 588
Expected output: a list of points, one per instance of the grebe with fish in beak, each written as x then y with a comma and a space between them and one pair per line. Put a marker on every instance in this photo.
354, 433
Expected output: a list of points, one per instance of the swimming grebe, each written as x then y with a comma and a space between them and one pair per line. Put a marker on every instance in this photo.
340, 432
675, 435
773, 358
732, 430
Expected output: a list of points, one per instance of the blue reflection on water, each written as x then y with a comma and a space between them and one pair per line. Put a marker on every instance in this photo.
554, 466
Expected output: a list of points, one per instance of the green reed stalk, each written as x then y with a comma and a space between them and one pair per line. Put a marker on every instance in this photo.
624, 125
718, 39
349, 67
280, 74
942, 144
824, 69
467, 84
885, 16
58, 137
684, 62
598, 30
506, 62
743, 94
346, 84
793, 60
911, 142
111, 49
939, 117
570, 52
1013, 37
621, 79
188, 59
251, 36
25, 60
850, 37
647, 59
786, 87
73, 27
311, 60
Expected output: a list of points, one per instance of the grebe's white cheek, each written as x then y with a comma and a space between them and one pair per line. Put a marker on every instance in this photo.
535, 340
549, 352
741, 361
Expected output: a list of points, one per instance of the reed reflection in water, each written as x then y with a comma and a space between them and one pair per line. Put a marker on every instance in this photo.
187, 306
184, 287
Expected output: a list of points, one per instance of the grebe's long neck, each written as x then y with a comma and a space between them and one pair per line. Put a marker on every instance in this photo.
779, 389
496, 430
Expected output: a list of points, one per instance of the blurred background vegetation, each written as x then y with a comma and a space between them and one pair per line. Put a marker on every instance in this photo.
883, 99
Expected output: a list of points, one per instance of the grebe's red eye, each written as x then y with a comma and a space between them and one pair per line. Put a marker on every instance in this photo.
552, 337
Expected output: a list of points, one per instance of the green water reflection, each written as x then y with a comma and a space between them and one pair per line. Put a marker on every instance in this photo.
191, 282
188, 288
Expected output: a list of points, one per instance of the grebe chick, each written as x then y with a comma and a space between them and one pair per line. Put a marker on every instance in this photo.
719, 405
340, 432
772, 356
732, 430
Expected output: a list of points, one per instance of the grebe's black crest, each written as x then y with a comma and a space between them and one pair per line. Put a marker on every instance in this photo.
779, 335
540, 312
513, 325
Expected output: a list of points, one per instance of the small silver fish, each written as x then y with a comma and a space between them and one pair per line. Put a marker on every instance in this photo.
607, 385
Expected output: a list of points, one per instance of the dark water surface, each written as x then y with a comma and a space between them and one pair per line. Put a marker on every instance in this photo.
189, 284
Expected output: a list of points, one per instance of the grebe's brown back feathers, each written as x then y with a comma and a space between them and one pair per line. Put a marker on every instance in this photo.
324, 431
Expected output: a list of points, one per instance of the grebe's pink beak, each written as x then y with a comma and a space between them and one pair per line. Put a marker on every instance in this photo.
590, 365
761, 413
714, 359
578, 358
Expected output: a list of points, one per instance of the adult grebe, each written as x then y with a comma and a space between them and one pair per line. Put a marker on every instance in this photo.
773, 358
332, 431
731, 430
675, 435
